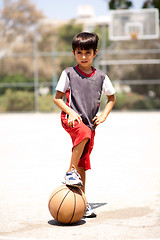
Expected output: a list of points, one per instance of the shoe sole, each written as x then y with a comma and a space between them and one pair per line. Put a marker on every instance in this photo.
92, 215
73, 185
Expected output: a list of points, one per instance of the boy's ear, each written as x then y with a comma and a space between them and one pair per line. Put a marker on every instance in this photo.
95, 53
73, 52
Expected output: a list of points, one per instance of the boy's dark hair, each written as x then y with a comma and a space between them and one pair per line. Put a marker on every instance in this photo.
85, 41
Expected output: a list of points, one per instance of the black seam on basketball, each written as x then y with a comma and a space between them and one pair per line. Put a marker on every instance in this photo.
61, 204
54, 195
79, 191
74, 208
84, 203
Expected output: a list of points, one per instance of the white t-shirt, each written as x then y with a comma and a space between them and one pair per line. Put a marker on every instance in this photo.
64, 84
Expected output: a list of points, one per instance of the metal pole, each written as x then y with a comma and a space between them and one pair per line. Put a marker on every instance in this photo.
36, 83
55, 71
103, 56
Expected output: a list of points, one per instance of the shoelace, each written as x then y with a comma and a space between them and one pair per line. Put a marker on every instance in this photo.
88, 206
73, 170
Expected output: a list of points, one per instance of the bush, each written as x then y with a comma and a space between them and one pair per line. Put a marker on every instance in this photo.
19, 101
16, 78
134, 101
3, 103
46, 103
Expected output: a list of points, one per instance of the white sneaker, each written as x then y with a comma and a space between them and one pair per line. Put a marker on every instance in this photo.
89, 212
72, 178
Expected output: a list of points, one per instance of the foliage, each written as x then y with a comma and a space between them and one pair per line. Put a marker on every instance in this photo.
67, 62
98, 30
46, 103
22, 25
13, 79
120, 4
66, 34
19, 101
134, 101
18, 16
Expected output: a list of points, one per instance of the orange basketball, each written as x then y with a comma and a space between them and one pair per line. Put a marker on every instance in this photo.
67, 204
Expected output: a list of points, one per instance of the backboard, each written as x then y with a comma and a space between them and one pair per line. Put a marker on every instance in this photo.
130, 24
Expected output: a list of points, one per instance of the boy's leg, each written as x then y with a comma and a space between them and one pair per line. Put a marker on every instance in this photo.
76, 155
80, 135
82, 173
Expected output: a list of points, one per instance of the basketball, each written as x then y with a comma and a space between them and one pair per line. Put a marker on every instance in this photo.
67, 204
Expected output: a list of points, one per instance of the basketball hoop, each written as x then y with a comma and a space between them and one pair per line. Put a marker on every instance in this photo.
129, 24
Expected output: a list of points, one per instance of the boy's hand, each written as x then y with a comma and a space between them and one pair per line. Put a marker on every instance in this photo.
98, 119
73, 116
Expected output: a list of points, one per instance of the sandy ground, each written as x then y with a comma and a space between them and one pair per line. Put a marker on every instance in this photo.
123, 186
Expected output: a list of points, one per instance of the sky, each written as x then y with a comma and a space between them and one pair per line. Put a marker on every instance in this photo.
67, 9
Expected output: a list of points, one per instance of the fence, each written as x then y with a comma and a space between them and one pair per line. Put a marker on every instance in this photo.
100, 62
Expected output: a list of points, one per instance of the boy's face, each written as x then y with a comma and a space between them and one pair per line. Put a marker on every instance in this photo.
84, 57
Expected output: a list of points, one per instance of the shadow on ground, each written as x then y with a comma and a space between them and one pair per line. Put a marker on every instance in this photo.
53, 222
97, 205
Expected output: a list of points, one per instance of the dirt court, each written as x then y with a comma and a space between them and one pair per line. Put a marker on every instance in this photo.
123, 186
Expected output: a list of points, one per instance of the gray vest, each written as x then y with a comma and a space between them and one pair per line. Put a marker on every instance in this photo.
85, 94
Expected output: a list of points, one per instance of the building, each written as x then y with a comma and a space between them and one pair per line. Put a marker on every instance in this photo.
86, 16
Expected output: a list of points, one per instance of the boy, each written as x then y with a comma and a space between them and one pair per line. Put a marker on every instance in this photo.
83, 86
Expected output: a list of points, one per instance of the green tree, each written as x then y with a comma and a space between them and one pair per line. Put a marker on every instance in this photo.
120, 4
18, 19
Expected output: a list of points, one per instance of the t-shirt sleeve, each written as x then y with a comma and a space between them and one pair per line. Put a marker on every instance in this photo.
63, 83
108, 88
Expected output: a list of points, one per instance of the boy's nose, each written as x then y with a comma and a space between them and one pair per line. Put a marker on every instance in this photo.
83, 56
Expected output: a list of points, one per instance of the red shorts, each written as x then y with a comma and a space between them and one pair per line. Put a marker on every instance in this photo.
78, 133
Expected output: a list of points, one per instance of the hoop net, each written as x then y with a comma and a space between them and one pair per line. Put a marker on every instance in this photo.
134, 35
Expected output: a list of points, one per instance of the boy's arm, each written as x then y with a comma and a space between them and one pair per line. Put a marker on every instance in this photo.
73, 116
100, 119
